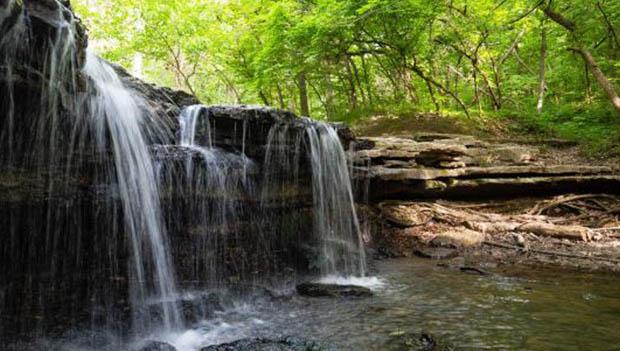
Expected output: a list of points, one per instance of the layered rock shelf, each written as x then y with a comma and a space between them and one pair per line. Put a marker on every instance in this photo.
459, 166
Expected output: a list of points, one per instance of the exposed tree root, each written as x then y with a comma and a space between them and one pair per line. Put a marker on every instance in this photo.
416, 214
552, 253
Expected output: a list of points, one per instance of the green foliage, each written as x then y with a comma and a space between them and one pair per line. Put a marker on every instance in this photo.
355, 58
595, 127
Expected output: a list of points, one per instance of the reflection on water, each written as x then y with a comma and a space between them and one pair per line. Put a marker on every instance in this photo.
511, 310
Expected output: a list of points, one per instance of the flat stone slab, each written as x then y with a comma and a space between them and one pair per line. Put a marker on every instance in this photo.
455, 166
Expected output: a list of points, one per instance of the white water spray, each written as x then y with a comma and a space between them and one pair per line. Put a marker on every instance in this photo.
117, 116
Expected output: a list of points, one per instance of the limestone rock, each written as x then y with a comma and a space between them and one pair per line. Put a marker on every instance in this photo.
436, 253
459, 238
455, 166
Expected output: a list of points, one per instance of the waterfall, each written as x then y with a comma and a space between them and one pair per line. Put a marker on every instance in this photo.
95, 191
68, 119
9, 42
215, 183
335, 218
116, 113
338, 245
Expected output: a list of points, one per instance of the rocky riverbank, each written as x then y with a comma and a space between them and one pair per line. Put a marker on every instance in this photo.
471, 202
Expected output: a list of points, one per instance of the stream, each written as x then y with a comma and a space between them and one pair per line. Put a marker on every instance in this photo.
512, 309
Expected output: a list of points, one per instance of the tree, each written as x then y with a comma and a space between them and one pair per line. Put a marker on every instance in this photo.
335, 58
581, 49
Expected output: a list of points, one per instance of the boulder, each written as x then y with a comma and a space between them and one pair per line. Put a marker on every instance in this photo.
332, 290
436, 253
156, 346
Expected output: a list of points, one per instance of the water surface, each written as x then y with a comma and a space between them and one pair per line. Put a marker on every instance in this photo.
518, 309
513, 309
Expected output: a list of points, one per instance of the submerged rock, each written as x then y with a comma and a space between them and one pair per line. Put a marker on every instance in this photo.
332, 290
436, 253
157, 346
286, 344
419, 342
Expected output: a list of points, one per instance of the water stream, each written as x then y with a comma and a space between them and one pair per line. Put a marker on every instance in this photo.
514, 309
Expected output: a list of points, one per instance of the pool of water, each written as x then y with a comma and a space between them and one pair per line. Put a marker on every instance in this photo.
508, 310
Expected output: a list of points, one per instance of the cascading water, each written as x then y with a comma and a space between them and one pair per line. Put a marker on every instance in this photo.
335, 218
77, 151
338, 247
10, 40
67, 117
116, 114
214, 183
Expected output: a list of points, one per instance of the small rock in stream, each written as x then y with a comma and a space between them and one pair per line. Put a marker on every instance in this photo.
286, 344
419, 342
157, 346
474, 270
436, 253
332, 290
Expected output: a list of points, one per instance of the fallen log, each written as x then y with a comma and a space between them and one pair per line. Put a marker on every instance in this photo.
572, 232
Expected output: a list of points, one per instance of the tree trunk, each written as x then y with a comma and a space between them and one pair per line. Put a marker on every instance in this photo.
587, 57
320, 97
600, 77
541, 74
477, 98
303, 95
263, 98
358, 80
367, 80
433, 99
610, 26
418, 71
330, 95
586, 78
353, 91
280, 97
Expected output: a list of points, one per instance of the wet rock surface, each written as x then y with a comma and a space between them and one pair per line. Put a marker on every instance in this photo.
71, 182
419, 342
285, 344
332, 290
157, 346
436, 253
